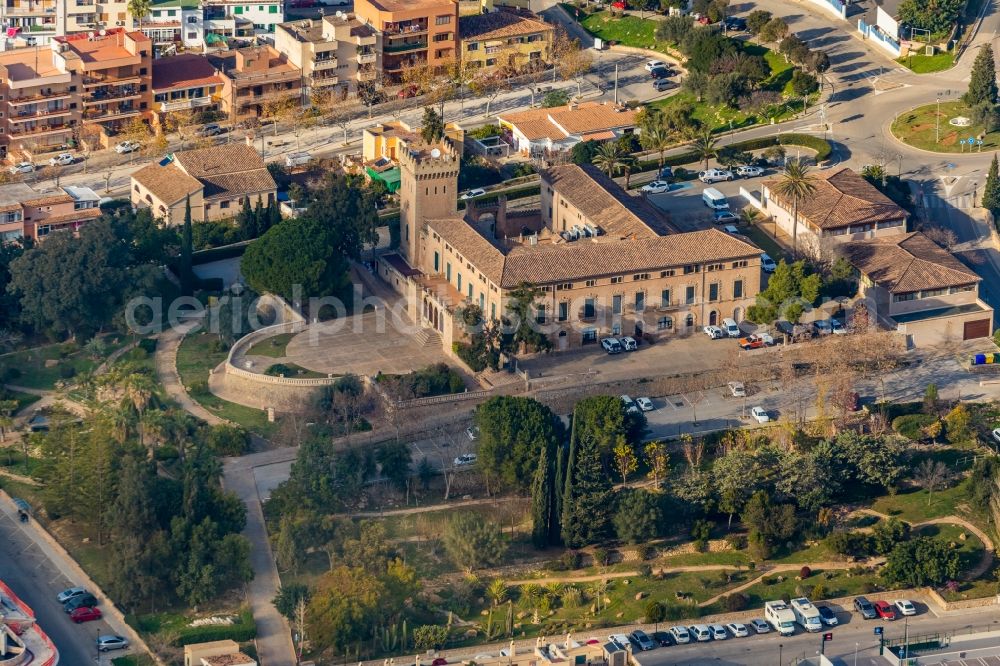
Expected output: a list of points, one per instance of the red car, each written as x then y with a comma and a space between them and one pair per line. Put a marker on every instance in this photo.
885, 610
704, 20
85, 614
440, 661
408, 92
620, 4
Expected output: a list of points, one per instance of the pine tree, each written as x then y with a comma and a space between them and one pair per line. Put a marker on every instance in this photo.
246, 221
132, 520
433, 126
566, 510
991, 191
541, 500
187, 276
591, 500
558, 483
983, 80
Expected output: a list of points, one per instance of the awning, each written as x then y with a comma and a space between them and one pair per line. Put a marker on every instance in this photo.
214, 38
390, 177
598, 136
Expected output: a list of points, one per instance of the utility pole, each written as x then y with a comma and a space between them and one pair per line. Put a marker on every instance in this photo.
616, 84
937, 121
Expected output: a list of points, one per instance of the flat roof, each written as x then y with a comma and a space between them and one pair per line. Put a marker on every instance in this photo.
937, 313
29, 63
109, 47
410, 5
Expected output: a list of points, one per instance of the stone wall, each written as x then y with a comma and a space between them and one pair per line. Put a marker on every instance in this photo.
253, 390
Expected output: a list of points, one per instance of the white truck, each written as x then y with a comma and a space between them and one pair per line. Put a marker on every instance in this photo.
807, 615
780, 616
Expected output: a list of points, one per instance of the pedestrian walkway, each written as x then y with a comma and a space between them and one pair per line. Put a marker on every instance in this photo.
167, 345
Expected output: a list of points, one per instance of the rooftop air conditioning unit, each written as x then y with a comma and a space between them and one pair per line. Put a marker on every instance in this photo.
592, 230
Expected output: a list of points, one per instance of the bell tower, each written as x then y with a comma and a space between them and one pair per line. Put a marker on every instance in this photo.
428, 190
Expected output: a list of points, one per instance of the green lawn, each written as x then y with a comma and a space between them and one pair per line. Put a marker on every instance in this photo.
41, 367
913, 505
835, 583
970, 549
763, 239
725, 557
271, 347
922, 64
23, 399
199, 353
920, 127
627, 30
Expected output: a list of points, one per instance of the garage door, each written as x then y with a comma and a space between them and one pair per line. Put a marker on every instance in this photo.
976, 329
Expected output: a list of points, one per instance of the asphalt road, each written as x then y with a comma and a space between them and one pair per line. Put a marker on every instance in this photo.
37, 581
852, 633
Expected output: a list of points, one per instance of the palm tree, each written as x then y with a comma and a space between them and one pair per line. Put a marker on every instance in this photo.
138, 9
796, 183
748, 214
497, 591
704, 146
7, 409
611, 158
658, 137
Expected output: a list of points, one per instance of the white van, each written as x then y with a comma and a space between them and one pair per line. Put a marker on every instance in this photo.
731, 329
297, 159
714, 199
807, 615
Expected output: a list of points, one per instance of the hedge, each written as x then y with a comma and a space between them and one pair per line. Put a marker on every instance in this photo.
821, 146
516, 193
217, 253
244, 630
911, 426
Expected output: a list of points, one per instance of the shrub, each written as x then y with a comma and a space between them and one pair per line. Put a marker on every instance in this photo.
227, 440
820, 145
148, 345
571, 560
217, 346
138, 354
279, 370
602, 556
805, 572
211, 284
735, 602
199, 387
736, 541
868, 587
243, 630
647, 552
66, 370
911, 426
645, 570
10, 374
819, 592
849, 543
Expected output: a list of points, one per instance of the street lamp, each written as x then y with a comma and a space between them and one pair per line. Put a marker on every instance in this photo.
937, 121
856, 645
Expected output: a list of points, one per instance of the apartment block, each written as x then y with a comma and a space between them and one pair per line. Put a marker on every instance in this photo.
337, 52
505, 41
114, 72
253, 78
226, 18
39, 103
37, 22
173, 23
185, 82
27, 213
413, 33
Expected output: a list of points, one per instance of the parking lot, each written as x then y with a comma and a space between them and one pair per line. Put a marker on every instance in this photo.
689, 212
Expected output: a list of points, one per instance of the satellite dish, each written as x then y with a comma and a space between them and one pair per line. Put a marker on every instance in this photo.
103, 32
435, 153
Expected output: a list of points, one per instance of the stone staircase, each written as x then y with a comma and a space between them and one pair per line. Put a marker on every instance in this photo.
427, 338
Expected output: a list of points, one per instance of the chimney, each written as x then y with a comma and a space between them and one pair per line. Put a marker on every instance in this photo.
249, 138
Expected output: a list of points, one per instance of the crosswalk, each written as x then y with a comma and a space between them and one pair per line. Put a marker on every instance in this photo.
961, 200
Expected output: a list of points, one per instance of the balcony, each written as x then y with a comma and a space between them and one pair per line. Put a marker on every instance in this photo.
105, 95
244, 97
318, 81
367, 58
400, 65
92, 81
182, 104
324, 63
40, 113
366, 75
404, 47
40, 130
33, 99
99, 115
402, 29
666, 307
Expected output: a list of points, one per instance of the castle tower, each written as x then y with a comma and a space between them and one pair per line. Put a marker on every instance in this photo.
428, 189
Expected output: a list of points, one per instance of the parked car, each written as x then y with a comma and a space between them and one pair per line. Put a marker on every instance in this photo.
794, 331
663, 84
465, 459
127, 147
735, 23
630, 405
714, 332
767, 263
659, 72
760, 415
112, 642
621, 640
756, 341
62, 159
827, 616
22, 167
731, 229
641, 640
611, 345
760, 625
85, 614
823, 327
718, 632
655, 187
472, 194
70, 593
667, 173
80, 601
714, 175
472, 432
905, 607
645, 404
748, 171
662, 638
408, 92
724, 217
629, 343
865, 608
737, 389
838, 327
885, 610
996, 435
681, 634
738, 629
653, 64
700, 632
211, 129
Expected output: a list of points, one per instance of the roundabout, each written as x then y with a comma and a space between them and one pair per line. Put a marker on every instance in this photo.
945, 127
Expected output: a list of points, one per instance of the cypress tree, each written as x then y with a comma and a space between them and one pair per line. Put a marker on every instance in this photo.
566, 513
187, 276
991, 191
558, 483
541, 500
983, 80
274, 214
259, 217
590, 502
246, 221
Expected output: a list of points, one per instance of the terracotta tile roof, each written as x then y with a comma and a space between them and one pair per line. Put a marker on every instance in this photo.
187, 70
499, 25
82, 215
168, 183
563, 121
606, 203
907, 263
840, 199
548, 263
50, 200
229, 170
